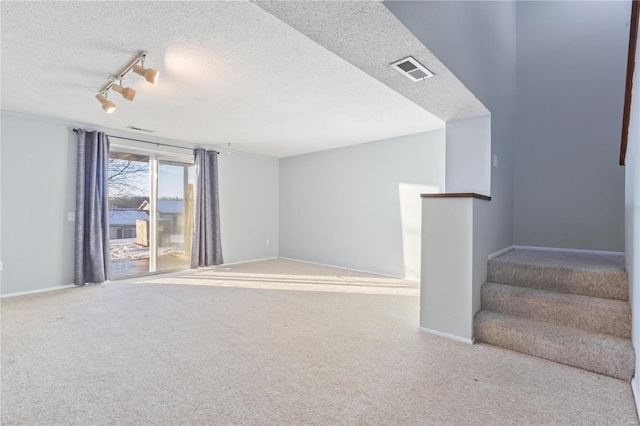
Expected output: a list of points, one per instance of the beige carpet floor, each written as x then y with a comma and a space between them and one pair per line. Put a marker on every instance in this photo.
273, 342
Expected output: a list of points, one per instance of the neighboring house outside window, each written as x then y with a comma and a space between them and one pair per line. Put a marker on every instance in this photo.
122, 223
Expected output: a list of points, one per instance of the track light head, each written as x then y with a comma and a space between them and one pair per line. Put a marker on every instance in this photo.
149, 74
107, 105
127, 92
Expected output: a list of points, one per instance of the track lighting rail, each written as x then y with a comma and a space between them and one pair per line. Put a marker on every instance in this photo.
115, 82
120, 76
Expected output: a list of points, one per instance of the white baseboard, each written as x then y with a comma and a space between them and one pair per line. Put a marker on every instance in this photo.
636, 397
447, 335
568, 250
501, 252
41, 290
348, 269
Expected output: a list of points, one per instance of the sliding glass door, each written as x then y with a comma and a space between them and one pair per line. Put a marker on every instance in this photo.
150, 213
174, 215
129, 194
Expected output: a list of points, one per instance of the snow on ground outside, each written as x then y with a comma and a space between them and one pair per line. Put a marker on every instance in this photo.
127, 249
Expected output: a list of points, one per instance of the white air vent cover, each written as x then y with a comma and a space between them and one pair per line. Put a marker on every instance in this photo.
412, 69
139, 129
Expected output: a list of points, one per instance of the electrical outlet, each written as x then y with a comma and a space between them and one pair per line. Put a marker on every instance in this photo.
495, 160
267, 244
71, 217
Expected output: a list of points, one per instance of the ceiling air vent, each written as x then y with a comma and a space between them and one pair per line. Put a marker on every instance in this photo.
140, 130
412, 69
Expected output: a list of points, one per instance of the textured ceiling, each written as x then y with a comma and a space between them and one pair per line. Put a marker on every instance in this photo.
229, 73
370, 37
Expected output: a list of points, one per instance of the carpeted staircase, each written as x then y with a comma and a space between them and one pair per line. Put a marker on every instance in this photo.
570, 308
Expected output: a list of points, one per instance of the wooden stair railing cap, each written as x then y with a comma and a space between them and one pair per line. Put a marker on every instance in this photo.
631, 60
457, 195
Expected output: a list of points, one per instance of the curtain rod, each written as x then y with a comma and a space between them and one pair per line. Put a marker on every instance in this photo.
153, 143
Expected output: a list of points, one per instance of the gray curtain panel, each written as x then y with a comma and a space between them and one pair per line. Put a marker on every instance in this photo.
206, 247
91, 256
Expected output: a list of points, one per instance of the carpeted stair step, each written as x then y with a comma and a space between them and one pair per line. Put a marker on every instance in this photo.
600, 353
593, 314
588, 274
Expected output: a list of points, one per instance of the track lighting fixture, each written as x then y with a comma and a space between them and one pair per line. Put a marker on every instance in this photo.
107, 105
115, 82
149, 74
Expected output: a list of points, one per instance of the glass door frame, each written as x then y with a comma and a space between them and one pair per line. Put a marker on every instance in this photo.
155, 157
186, 161
153, 215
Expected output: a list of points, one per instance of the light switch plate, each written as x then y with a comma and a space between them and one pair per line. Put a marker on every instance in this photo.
71, 217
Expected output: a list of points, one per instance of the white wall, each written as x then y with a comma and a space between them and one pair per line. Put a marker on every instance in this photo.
359, 206
632, 212
1, 264
571, 64
476, 40
469, 155
38, 189
454, 266
445, 284
248, 206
